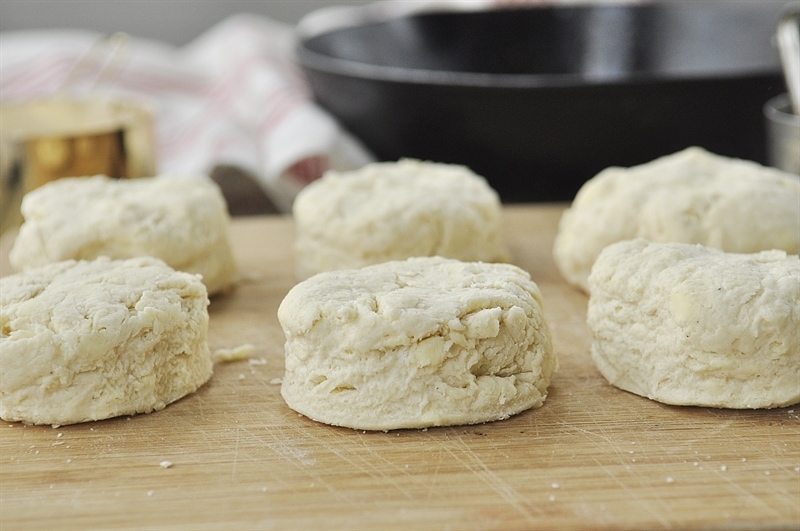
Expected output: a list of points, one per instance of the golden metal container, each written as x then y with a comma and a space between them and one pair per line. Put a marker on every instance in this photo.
49, 139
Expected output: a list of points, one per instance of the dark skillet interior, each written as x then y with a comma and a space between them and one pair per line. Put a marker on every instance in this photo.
540, 99
606, 41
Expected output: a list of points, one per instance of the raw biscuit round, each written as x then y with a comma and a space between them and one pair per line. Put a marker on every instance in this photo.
687, 325
422, 342
90, 340
182, 220
395, 210
692, 196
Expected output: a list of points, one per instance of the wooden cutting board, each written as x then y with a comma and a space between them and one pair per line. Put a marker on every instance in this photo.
593, 457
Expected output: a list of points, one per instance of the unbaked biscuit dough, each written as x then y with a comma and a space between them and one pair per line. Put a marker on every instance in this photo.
688, 325
91, 340
182, 220
692, 196
411, 344
395, 210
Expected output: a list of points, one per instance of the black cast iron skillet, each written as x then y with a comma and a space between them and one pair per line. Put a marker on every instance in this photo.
540, 99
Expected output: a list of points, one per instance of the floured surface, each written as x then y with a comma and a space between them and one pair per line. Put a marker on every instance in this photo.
592, 457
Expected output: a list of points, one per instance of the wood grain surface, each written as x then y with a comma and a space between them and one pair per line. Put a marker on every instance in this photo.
593, 457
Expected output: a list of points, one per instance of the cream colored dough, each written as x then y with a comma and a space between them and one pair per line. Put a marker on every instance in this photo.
416, 343
181, 220
396, 210
91, 340
692, 196
688, 325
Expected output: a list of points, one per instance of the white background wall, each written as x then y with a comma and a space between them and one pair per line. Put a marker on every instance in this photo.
172, 21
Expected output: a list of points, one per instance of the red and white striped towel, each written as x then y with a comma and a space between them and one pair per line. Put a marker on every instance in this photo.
232, 96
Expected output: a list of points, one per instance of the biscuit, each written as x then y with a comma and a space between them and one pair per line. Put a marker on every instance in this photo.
181, 220
395, 210
90, 340
692, 196
422, 342
687, 325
